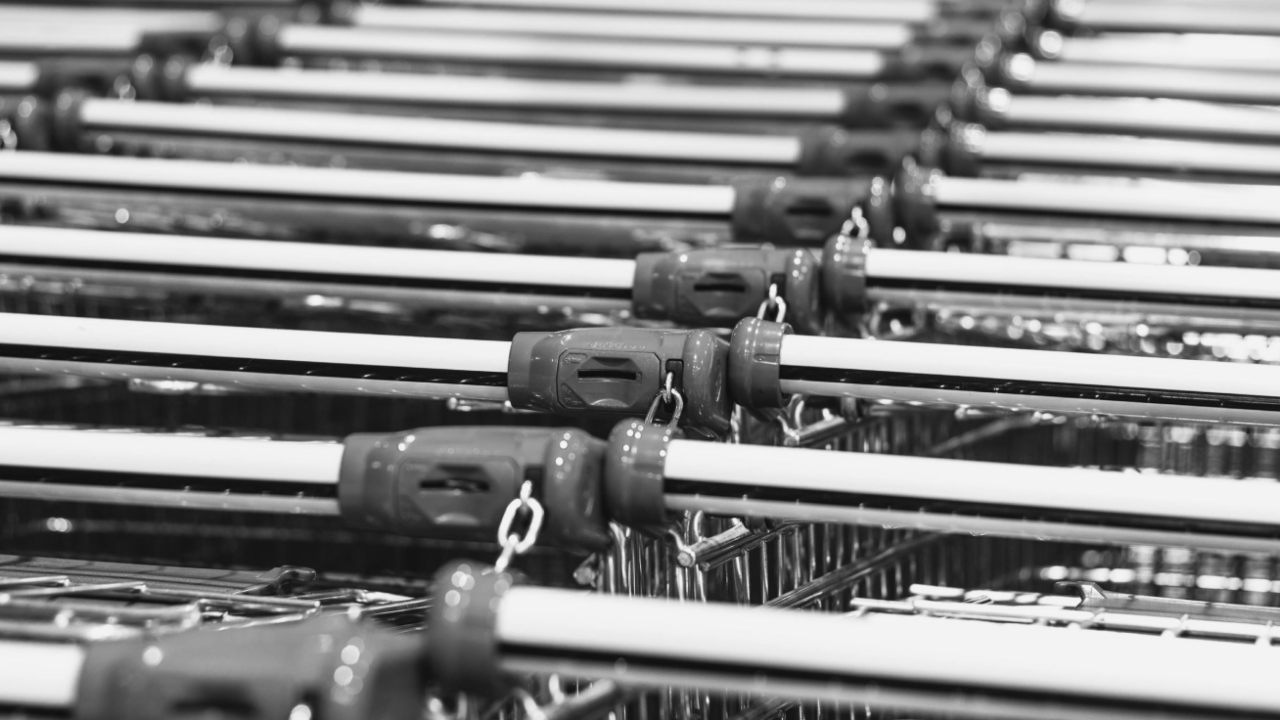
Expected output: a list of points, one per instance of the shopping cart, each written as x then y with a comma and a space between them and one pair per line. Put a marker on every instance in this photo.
827, 474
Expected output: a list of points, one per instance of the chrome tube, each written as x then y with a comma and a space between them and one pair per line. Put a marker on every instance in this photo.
1031, 380
255, 358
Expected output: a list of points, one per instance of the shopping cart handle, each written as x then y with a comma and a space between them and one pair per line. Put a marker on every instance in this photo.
716, 288
330, 666
904, 104
456, 483
914, 212
633, 480
623, 371
927, 60
794, 211
974, 100
952, 146
463, 652
462, 645
755, 367
836, 152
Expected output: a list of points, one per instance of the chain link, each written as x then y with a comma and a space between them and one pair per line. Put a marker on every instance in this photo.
668, 395
856, 222
512, 544
8, 136
774, 300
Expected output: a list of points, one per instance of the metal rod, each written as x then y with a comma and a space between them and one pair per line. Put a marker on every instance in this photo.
1138, 153
325, 266
95, 31
171, 455
328, 41
725, 546
890, 10
1027, 380
1136, 115
171, 499
154, 19
1220, 52
152, 5
964, 272
1134, 80
912, 662
18, 77
1126, 613
1258, 204
82, 612
1207, 18
42, 675
310, 182
430, 133
53, 38
255, 358
1240, 4
1102, 242
525, 93
971, 497
23, 630
639, 26
843, 577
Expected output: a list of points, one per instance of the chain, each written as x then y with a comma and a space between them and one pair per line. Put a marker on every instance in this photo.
666, 397
773, 301
8, 136
856, 226
512, 544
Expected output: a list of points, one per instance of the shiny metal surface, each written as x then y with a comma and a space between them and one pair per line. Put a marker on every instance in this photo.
639, 26
896, 10
1141, 81
673, 57
87, 247
1132, 279
39, 674
1226, 52
153, 345
631, 97
314, 463
732, 479
1087, 392
364, 184
170, 499
563, 626
431, 133
1140, 115
1167, 201
1031, 380
1138, 153
1175, 18
18, 76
